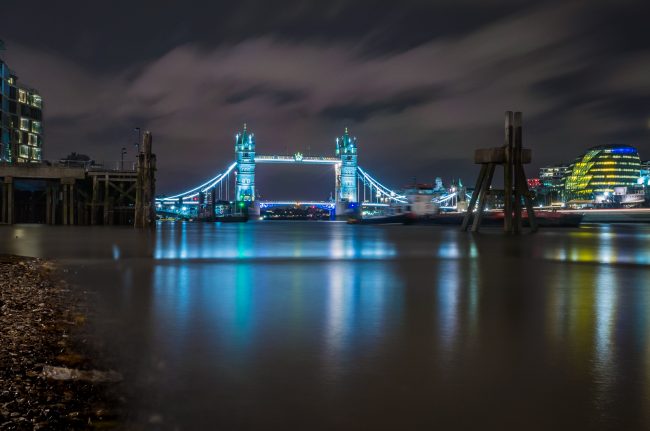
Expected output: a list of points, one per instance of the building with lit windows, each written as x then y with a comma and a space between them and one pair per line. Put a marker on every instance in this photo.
644, 179
551, 188
21, 116
602, 172
553, 176
645, 172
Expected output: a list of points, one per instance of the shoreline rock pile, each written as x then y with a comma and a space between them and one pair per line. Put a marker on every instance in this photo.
47, 375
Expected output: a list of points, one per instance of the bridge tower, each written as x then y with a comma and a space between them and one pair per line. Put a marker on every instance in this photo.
245, 157
346, 184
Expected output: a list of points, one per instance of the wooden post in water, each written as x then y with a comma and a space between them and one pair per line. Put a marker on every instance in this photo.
474, 198
68, 200
516, 204
512, 156
71, 190
145, 211
48, 204
3, 214
94, 200
8, 200
507, 172
106, 202
521, 183
65, 203
52, 202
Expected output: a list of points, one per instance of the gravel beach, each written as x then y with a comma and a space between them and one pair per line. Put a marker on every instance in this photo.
49, 376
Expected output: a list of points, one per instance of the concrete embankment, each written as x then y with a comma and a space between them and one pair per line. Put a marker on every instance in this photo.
638, 215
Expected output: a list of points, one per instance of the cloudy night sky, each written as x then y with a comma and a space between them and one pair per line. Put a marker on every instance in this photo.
420, 83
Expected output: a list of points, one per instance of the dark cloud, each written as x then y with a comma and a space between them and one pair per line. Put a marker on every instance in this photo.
358, 112
106, 35
420, 83
277, 96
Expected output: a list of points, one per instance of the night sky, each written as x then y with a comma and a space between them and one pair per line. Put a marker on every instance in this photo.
420, 83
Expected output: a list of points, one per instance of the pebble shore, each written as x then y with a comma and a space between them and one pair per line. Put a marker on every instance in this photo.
45, 355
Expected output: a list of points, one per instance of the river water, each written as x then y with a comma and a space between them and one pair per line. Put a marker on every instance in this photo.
323, 325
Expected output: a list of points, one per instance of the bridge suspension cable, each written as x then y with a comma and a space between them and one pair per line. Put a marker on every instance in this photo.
449, 200
207, 186
380, 188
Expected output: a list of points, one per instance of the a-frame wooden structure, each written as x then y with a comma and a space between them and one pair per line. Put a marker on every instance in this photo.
512, 156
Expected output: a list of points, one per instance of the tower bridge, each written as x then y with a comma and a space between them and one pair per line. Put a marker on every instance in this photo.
354, 187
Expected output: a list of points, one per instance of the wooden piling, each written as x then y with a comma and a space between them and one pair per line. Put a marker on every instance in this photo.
507, 180
65, 203
3, 214
52, 203
71, 203
512, 156
516, 205
48, 204
106, 201
482, 200
94, 200
145, 211
474, 198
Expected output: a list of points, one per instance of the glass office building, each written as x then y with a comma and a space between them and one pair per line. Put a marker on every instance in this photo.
601, 170
21, 117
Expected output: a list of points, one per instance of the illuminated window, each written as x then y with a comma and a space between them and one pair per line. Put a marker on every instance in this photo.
36, 126
32, 140
23, 151
22, 96
10, 81
24, 124
35, 153
37, 101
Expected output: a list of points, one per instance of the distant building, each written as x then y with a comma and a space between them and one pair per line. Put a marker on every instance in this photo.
644, 179
551, 187
553, 175
603, 171
644, 174
21, 116
534, 183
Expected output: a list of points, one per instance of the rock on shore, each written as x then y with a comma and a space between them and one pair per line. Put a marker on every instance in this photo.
44, 357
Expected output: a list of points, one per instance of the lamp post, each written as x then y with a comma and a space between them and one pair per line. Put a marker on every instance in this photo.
123, 153
137, 144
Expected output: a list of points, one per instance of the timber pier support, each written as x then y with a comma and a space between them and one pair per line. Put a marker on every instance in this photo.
513, 157
90, 195
7, 200
145, 209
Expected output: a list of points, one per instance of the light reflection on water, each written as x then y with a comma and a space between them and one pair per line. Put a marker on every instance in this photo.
330, 326
607, 288
603, 246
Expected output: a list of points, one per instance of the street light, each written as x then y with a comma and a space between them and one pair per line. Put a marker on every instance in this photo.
137, 144
122, 154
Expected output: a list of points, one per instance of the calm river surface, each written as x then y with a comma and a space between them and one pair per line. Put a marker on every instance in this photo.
310, 325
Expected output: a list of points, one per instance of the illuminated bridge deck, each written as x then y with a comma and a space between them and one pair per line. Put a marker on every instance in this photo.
301, 159
322, 204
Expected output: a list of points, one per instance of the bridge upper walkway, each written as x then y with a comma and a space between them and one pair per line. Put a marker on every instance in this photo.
298, 159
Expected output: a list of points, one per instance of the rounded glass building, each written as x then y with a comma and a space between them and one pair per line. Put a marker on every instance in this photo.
602, 169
